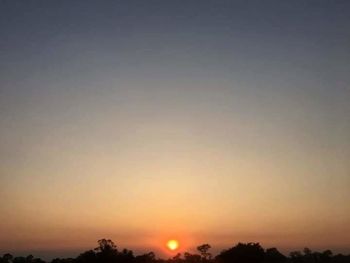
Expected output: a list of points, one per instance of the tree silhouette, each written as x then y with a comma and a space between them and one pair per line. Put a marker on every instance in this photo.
242, 253
192, 258
106, 245
296, 256
86, 257
274, 256
107, 252
203, 249
145, 258
6, 258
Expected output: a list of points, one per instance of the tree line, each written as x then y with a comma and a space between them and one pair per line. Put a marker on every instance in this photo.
107, 252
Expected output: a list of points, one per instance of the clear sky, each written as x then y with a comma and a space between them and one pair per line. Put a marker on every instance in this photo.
204, 121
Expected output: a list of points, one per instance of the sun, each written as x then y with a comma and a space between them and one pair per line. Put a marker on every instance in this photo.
172, 244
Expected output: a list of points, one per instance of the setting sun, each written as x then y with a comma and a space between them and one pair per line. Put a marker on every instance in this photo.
172, 244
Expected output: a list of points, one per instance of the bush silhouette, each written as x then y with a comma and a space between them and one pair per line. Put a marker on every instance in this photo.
107, 252
242, 253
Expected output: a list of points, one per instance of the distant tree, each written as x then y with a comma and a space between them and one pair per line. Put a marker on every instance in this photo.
126, 256
65, 260
19, 260
105, 245
176, 259
242, 253
39, 260
86, 257
308, 255
307, 251
326, 256
29, 258
106, 252
296, 256
192, 258
146, 258
7, 258
272, 255
203, 250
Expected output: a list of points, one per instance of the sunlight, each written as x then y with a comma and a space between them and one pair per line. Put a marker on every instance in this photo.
172, 244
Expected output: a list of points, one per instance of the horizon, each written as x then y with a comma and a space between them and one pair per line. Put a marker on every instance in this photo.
49, 255
200, 121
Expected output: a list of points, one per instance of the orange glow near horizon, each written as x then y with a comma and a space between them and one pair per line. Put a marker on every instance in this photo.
172, 244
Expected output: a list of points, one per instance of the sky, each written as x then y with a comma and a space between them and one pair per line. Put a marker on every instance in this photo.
203, 121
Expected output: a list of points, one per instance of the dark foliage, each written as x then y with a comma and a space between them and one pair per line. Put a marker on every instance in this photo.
107, 252
242, 253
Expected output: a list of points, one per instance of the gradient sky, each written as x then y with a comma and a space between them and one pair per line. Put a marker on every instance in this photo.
206, 121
